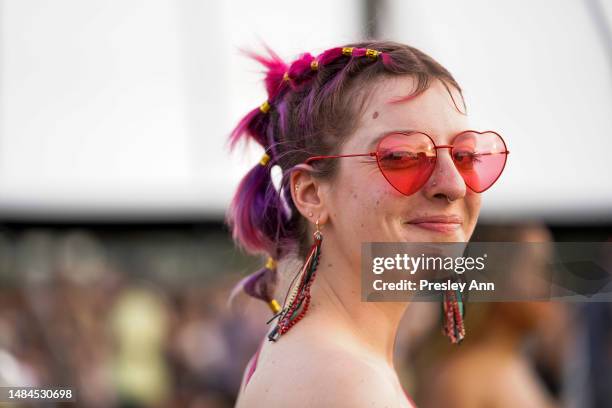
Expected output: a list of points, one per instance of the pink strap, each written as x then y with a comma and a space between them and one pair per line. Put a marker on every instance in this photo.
253, 364
409, 399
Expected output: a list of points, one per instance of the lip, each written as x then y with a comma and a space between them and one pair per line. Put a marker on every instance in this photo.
438, 223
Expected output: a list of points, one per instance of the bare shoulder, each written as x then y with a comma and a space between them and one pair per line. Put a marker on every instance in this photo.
320, 375
346, 380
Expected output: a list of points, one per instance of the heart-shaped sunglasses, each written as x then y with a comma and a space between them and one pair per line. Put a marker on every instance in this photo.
408, 159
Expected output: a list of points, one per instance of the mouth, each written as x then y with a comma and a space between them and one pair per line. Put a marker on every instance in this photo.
438, 223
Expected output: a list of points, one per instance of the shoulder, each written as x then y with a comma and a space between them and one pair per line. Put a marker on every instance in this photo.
322, 376
352, 381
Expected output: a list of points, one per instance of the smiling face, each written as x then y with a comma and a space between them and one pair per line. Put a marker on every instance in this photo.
363, 207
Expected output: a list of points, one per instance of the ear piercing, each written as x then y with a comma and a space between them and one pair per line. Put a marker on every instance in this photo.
297, 187
434, 183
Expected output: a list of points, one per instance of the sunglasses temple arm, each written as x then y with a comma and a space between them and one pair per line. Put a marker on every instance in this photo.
490, 153
314, 158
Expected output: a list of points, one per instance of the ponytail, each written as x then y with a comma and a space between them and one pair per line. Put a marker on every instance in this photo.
260, 285
256, 212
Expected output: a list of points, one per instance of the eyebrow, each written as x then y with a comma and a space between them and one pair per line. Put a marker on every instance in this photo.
401, 99
372, 145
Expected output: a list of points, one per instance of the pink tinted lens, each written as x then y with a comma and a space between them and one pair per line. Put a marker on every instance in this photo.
480, 158
406, 160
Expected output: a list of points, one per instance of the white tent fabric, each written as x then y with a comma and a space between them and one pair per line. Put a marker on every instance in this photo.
122, 109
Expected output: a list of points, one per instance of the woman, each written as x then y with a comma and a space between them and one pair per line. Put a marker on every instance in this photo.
362, 135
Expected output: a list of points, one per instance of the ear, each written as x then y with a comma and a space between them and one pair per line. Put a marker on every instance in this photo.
309, 194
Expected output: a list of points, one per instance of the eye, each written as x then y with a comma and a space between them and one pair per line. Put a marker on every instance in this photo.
401, 158
466, 158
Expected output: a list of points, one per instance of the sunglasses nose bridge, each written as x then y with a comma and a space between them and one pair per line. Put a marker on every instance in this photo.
453, 169
449, 147
443, 147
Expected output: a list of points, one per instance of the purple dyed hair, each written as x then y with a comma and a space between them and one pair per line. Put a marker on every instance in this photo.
315, 104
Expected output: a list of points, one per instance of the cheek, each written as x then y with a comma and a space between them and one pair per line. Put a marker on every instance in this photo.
360, 205
472, 210
380, 209
473, 202
366, 207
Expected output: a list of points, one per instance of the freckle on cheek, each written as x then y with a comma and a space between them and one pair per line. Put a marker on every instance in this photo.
375, 115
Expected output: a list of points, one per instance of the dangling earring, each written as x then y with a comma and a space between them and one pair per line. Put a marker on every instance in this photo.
297, 300
453, 309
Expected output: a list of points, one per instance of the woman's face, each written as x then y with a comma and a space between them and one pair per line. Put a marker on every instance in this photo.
363, 207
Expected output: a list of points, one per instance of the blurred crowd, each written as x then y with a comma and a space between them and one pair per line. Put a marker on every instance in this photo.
76, 313
141, 320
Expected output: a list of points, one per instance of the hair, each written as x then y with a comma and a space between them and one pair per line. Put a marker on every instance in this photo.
314, 104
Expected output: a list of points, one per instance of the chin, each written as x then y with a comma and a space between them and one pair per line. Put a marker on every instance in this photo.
443, 238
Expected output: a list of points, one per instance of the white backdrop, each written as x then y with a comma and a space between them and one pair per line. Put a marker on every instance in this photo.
123, 108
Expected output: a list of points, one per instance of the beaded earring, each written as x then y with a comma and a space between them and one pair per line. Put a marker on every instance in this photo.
297, 300
453, 310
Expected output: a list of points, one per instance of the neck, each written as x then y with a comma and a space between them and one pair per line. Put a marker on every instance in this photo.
337, 308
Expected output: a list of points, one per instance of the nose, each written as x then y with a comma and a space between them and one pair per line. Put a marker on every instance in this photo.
445, 182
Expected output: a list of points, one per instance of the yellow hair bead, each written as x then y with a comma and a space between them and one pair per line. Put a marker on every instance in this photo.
264, 159
265, 107
271, 263
348, 51
372, 53
286, 76
314, 65
274, 306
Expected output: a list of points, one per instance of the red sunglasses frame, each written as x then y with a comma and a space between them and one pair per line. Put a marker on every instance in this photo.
436, 147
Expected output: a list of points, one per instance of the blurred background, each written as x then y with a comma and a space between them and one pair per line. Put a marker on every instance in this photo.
115, 263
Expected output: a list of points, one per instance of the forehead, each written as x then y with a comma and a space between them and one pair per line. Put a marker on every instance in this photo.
432, 112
